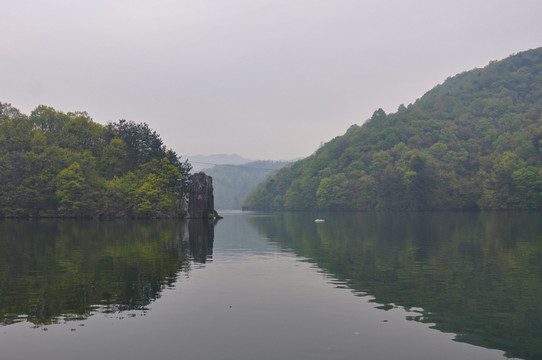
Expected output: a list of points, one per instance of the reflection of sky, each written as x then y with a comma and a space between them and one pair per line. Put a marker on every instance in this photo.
235, 238
252, 301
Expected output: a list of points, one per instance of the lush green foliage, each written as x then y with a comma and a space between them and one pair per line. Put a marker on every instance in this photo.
473, 142
57, 164
232, 183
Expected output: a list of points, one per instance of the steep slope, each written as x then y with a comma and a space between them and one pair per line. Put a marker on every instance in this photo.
472, 142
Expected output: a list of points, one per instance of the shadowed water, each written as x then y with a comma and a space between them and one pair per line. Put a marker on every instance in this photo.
274, 286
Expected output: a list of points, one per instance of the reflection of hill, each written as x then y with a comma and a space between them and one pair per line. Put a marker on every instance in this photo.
52, 270
476, 275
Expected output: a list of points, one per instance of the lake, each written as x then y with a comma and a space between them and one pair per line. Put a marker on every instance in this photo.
445, 285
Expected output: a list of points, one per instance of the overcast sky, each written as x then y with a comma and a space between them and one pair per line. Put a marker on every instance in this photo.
264, 79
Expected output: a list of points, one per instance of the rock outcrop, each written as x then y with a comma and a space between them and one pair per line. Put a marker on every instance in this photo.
201, 203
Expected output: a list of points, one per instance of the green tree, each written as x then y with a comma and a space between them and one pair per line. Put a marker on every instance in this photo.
64, 164
70, 190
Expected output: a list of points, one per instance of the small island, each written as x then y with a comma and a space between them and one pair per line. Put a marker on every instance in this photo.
55, 164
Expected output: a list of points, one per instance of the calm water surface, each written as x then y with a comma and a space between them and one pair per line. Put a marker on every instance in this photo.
274, 286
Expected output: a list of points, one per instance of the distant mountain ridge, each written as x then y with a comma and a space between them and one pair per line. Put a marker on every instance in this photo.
201, 162
232, 183
473, 142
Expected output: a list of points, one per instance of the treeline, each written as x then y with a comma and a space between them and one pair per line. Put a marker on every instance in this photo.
55, 164
473, 142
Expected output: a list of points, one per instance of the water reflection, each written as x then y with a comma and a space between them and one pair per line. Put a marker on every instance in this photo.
478, 275
201, 233
60, 270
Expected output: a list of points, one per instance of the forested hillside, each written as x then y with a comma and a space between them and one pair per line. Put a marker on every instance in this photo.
473, 142
64, 164
232, 183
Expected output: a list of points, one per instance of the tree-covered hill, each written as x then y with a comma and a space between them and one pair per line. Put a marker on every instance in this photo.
56, 164
473, 142
232, 183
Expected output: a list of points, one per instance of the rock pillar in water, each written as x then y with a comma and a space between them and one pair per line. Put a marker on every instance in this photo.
201, 201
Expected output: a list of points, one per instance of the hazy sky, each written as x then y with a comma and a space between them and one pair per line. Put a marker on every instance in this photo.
264, 79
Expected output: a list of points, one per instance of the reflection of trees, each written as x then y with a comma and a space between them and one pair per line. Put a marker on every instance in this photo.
478, 275
66, 269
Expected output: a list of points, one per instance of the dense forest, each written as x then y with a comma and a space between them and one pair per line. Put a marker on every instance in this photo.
55, 164
232, 183
473, 142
